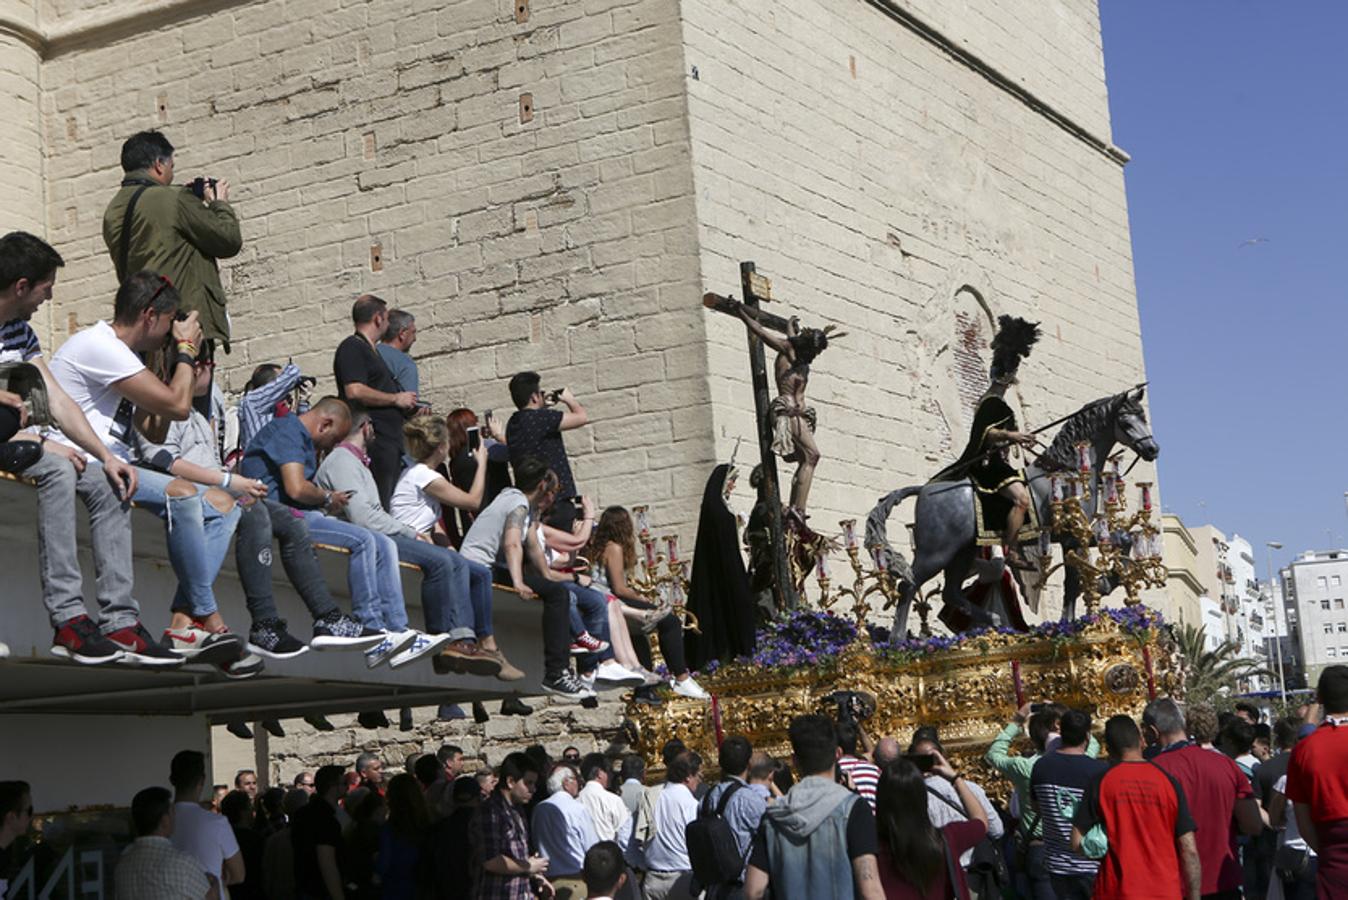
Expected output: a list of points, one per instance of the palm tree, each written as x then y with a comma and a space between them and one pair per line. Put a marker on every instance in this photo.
1210, 673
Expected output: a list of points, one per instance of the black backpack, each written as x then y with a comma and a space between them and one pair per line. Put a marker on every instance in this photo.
712, 848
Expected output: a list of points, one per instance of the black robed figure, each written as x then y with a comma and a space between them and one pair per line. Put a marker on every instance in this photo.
1000, 486
718, 592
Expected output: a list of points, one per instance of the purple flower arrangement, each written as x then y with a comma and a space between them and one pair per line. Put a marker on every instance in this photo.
814, 640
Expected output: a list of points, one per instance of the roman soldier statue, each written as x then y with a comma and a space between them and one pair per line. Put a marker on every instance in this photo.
985, 460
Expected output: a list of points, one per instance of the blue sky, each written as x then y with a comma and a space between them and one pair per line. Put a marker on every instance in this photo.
1236, 117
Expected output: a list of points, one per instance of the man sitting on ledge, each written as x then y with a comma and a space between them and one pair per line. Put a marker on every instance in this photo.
101, 481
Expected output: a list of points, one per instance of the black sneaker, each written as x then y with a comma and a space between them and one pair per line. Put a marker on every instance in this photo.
269, 638
567, 686
79, 639
514, 706
240, 730
273, 728
372, 719
139, 648
338, 631
319, 723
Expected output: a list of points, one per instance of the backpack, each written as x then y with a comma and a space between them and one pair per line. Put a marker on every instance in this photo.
712, 847
987, 874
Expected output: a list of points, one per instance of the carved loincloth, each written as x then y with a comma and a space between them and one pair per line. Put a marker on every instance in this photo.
780, 413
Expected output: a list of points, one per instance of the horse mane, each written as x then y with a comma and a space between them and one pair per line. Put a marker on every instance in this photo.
1084, 425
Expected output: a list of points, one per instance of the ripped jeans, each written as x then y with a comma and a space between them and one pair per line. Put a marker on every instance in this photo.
198, 538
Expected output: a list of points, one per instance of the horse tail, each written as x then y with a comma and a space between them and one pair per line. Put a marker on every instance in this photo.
876, 535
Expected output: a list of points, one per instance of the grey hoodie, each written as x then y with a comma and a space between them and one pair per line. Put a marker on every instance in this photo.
807, 805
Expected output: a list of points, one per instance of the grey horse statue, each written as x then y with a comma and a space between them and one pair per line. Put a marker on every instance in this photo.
945, 532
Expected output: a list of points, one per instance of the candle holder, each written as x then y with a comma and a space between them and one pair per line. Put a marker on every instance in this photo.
1109, 541
661, 577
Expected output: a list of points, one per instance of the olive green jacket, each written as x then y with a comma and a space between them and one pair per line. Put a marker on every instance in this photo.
175, 234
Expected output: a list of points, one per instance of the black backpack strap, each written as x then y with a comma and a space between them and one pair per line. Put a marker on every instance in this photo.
725, 798
947, 801
124, 248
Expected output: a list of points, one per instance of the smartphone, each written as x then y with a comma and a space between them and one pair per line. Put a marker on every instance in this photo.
474, 437
923, 761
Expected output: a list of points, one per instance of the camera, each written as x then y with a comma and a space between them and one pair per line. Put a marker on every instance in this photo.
474, 437
181, 315
852, 706
553, 396
198, 186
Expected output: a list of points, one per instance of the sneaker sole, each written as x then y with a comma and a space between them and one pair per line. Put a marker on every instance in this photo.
405, 659
581, 651
215, 655
241, 674
135, 658
332, 642
474, 665
398, 647
575, 696
67, 653
272, 654
509, 675
611, 684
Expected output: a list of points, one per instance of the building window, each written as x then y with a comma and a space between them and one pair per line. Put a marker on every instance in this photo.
1338, 603
1330, 652
1336, 581
1343, 628
1324, 604
1329, 628
1322, 582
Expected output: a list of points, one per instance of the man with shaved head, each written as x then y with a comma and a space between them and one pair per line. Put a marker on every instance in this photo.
886, 751
284, 457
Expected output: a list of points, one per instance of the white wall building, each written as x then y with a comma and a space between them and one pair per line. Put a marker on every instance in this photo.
1317, 582
1250, 618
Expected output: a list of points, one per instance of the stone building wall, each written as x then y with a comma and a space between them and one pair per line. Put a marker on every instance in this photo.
902, 192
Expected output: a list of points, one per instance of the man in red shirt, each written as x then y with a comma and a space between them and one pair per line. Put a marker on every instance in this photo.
1218, 794
1152, 851
1317, 782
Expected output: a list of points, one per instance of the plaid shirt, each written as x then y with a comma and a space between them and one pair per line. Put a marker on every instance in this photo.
498, 829
153, 869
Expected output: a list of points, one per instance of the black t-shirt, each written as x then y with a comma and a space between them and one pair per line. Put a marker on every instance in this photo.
314, 826
538, 432
1267, 775
357, 362
861, 838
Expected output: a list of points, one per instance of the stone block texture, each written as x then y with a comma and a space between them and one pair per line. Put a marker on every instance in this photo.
557, 193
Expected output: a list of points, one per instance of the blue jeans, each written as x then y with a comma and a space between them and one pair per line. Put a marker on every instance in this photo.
376, 590
198, 539
479, 587
589, 612
444, 587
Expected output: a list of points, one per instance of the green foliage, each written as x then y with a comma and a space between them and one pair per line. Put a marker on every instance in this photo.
1212, 674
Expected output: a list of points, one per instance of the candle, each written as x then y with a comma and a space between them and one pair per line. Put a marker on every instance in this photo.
878, 557
849, 527
672, 547
643, 522
1054, 488
650, 552
1145, 488
1085, 456
1111, 488
1155, 546
821, 567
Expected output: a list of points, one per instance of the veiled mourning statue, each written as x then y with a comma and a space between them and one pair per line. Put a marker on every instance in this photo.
718, 593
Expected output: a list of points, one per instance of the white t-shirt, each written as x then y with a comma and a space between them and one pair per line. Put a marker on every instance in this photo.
203, 835
88, 366
1291, 835
410, 504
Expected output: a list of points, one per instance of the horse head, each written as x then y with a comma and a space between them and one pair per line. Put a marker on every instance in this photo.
1130, 424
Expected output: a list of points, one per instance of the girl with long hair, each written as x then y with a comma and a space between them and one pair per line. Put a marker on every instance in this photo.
916, 858
402, 840
613, 554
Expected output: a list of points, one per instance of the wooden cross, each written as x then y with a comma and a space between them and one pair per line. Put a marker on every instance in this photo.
757, 288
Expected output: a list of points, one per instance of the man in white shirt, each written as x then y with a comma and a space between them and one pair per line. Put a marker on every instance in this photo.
941, 796
669, 872
633, 774
101, 369
612, 821
92, 473
563, 831
152, 868
201, 834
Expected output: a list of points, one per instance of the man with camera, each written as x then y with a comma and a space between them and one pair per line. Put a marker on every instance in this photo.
535, 429
178, 233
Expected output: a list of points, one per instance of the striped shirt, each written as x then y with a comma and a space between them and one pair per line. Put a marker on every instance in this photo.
865, 776
18, 342
1057, 784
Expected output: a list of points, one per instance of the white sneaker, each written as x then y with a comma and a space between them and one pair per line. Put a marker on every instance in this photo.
690, 688
612, 675
420, 646
393, 642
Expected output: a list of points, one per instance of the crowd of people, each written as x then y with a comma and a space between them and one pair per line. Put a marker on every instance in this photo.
1165, 813
128, 413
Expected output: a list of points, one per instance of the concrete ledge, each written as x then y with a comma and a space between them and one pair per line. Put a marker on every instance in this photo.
32, 681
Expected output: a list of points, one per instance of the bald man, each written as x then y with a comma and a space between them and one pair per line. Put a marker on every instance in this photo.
284, 457
886, 752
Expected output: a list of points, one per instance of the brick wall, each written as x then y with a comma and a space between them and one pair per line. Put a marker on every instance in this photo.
874, 177
560, 240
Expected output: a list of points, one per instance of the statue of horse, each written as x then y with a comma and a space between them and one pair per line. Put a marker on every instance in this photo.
945, 533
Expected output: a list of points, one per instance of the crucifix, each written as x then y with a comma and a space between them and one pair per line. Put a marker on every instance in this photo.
785, 424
